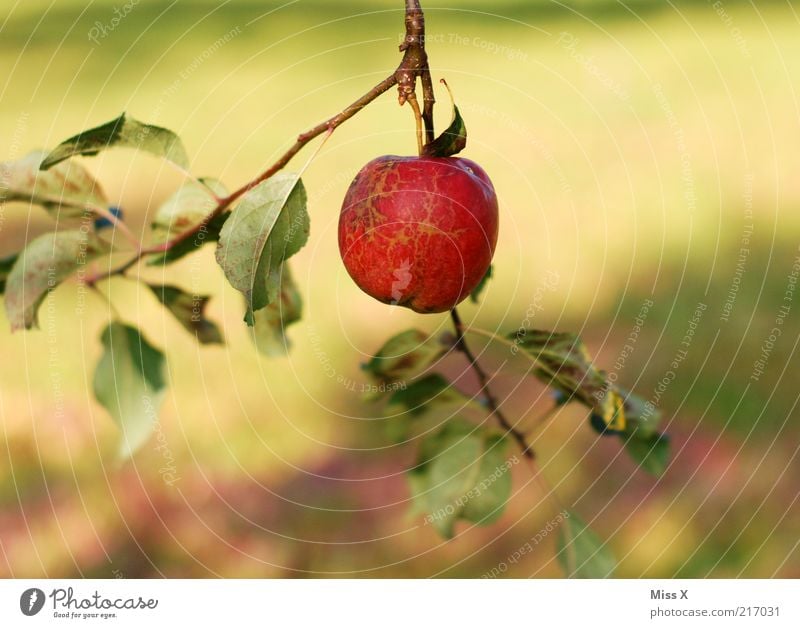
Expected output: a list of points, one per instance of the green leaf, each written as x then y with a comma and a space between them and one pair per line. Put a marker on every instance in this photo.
564, 363
121, 132
448, 468
476, 292
452, 141
46, 262
183, 211
210, 233
431, 391
186, 208
581, 553
269, 330
68, 189
189, 310
417, 485
641, 417
493, 489
418, 407
404, 357
649, 449
461, 473
129, 382
651, 453
268, 226
6, 264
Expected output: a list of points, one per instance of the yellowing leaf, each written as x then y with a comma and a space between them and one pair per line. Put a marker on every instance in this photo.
44, 264
68, 189
564, 363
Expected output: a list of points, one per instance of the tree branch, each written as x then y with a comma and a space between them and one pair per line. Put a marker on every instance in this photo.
483, 379
414, 64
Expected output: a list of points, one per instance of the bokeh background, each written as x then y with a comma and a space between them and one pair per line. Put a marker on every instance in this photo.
641, 152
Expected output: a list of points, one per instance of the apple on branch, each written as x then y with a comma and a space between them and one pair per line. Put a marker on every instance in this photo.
420, 231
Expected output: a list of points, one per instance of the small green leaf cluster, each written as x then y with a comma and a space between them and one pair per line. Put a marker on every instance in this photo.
562, 361
255, 231
462, 470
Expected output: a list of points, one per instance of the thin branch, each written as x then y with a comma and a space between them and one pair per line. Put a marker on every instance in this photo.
483, 379
119, 270
304, 138
414, 64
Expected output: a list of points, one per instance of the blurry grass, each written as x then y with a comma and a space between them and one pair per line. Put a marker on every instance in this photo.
622, 232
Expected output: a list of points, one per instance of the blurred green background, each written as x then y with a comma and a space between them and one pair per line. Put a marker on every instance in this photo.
633, 148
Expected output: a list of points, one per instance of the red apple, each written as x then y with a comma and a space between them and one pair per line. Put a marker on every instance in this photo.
419, 231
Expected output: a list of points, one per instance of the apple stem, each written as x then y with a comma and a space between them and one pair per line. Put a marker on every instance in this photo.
418, 119
483, 380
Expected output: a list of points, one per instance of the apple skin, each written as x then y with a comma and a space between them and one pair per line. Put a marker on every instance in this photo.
419, 231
